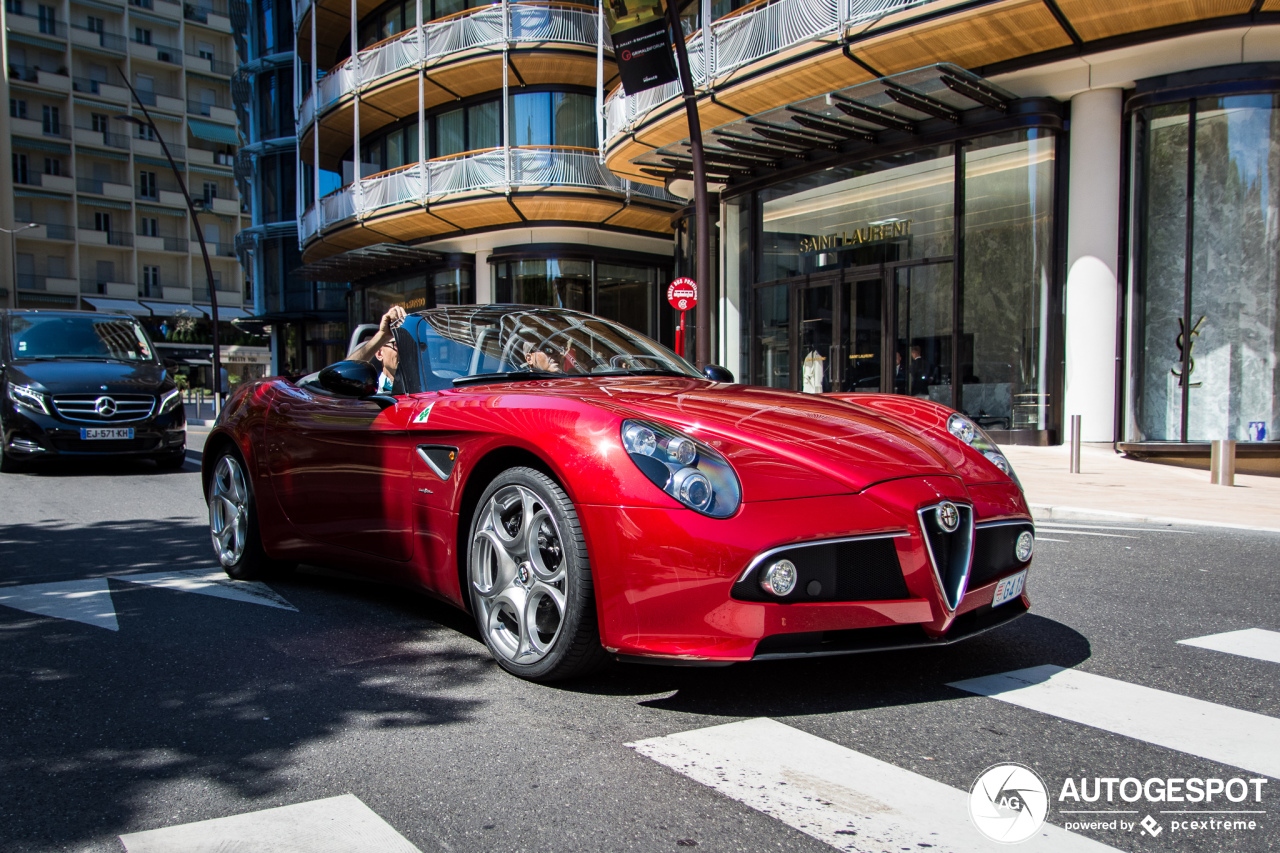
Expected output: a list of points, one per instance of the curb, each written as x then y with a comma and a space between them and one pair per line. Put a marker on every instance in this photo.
1046, 512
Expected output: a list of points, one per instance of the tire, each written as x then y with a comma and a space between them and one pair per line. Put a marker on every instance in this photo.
534, 606
233, 522
171, 461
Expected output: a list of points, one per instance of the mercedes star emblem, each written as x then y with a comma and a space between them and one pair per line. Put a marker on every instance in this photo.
948, 516
104, 406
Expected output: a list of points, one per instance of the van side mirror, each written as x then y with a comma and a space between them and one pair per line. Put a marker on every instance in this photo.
716, 373
350, 379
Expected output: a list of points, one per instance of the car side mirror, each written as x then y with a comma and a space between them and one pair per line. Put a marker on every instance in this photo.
716, 373
350, 379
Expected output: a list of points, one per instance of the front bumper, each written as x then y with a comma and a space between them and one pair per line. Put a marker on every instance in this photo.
665, 578
32, 435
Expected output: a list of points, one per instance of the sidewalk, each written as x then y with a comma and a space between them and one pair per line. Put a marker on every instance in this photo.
1113, 487
200, 414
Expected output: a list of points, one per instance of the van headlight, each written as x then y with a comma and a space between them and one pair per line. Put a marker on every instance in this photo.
170, 399
683, 467
973, 435
30, 398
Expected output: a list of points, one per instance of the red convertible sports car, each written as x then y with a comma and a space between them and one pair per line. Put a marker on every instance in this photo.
588, 494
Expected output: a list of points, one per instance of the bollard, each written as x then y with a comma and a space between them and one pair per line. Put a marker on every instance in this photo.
1222, 462
1075, 444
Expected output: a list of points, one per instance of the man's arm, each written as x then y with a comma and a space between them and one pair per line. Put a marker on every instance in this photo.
386, 326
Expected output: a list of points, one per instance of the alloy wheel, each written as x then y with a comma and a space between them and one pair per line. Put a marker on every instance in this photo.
229, 511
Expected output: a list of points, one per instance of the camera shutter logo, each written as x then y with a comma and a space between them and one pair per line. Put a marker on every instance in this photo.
1008, 803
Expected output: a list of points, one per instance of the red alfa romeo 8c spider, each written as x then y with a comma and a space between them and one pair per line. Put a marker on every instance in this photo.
587, 494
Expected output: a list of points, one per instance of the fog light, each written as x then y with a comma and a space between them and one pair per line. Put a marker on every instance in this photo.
780, 578
1022, 549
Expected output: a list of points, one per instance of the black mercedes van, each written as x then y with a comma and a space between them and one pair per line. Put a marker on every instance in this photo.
78, 384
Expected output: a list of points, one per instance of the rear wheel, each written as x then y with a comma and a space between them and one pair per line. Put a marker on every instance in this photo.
530, 580
233, 522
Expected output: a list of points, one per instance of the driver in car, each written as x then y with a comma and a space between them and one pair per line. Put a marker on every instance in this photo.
381, 348
539, 359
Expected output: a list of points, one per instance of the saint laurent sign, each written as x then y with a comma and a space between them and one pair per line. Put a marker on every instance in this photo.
869, 234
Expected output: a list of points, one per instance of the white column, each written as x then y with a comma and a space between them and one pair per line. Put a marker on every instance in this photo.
1093, 235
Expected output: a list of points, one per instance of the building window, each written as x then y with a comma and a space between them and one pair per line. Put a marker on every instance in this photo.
20, 175
147, 184
101, 221
99, 122
52, 123
210, 193
17, 108
145, 132
94, 24
141, 35
13, 7
150, 281
621, 290
48, 20
52, 166
149, 226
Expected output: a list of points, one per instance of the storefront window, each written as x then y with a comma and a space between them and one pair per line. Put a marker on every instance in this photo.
1207, 334
1004, 344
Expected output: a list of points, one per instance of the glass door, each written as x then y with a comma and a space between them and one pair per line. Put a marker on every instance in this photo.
841, 336
862, 363
923, 325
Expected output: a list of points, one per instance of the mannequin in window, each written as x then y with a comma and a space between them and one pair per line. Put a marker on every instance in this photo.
811, 373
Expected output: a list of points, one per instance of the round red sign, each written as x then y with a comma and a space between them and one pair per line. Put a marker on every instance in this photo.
683, 294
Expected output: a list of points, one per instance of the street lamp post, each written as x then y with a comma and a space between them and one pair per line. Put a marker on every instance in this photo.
13, 250
195, 223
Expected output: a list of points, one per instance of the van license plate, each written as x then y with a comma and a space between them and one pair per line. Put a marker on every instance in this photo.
106, 432
1009, 588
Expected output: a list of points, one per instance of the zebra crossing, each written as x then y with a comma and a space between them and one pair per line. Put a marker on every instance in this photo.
854, 802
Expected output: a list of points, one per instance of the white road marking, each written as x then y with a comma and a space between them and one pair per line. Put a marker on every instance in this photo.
87, 601
1084, 533
1250, 643
1047, 539
841, 797
1216, 732
336, 825
212, 582
1061, 527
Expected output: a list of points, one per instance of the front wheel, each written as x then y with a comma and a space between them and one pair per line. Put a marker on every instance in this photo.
530, 579
233, 522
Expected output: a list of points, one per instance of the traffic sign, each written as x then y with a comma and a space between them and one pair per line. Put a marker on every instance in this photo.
683, 294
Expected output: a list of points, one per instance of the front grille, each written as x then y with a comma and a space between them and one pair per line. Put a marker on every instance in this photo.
950, 552
993, 555
859, 569
84, 407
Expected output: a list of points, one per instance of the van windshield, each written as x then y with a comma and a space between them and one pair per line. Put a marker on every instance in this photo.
50, 336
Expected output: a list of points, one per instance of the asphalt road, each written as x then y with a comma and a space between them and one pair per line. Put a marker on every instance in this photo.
198, 707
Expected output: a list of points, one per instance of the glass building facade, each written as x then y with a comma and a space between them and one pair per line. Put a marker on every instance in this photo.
1205, 315
926, 272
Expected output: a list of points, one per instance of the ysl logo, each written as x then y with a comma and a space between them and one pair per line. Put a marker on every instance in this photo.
1185, 347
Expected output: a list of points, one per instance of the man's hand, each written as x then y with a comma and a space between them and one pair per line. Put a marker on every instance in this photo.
394, 317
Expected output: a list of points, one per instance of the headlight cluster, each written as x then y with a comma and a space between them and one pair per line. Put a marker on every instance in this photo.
688, 470
170, 399
25, 395
972, 435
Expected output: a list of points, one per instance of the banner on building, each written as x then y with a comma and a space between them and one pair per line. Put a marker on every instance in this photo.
641, 43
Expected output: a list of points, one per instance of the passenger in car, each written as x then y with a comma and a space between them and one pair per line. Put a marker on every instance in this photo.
381, 348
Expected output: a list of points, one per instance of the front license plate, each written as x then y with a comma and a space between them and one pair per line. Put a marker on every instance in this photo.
106, 432
1009, 588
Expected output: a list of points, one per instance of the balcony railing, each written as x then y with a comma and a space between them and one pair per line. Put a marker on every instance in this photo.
217, 66
93, 285
740, 39
114, 238
58, 232
111, 41
497, 170
31, 73
30, 281
44, 26
200, 12
110, 140
547, 23
148, 96
200, 108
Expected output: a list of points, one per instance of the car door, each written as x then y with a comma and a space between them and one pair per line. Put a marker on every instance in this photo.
341, 470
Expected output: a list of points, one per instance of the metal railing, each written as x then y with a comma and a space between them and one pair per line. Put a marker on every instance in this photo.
111, 41
496, 170
58, 232
217, 66
109, 139
31, 73
94, 285
741, 39
45, 26
148, 96
201, 12
484, 26
30, 281
200, 108
114, 238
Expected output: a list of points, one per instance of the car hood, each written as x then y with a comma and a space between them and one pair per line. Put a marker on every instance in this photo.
850, 444
88, 377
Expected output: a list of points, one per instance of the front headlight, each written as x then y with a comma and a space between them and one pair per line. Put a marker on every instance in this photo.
972, 435
28, 397
683, 467
170, 400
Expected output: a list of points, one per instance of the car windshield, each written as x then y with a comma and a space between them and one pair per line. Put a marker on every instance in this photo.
502, 343
53, 336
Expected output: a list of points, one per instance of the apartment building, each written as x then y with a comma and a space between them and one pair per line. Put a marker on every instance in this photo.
96, 216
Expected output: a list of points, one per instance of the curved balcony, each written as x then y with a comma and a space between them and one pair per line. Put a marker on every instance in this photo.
529, 21
476, 189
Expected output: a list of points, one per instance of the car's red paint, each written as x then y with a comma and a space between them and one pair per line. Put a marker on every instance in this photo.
339, 483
